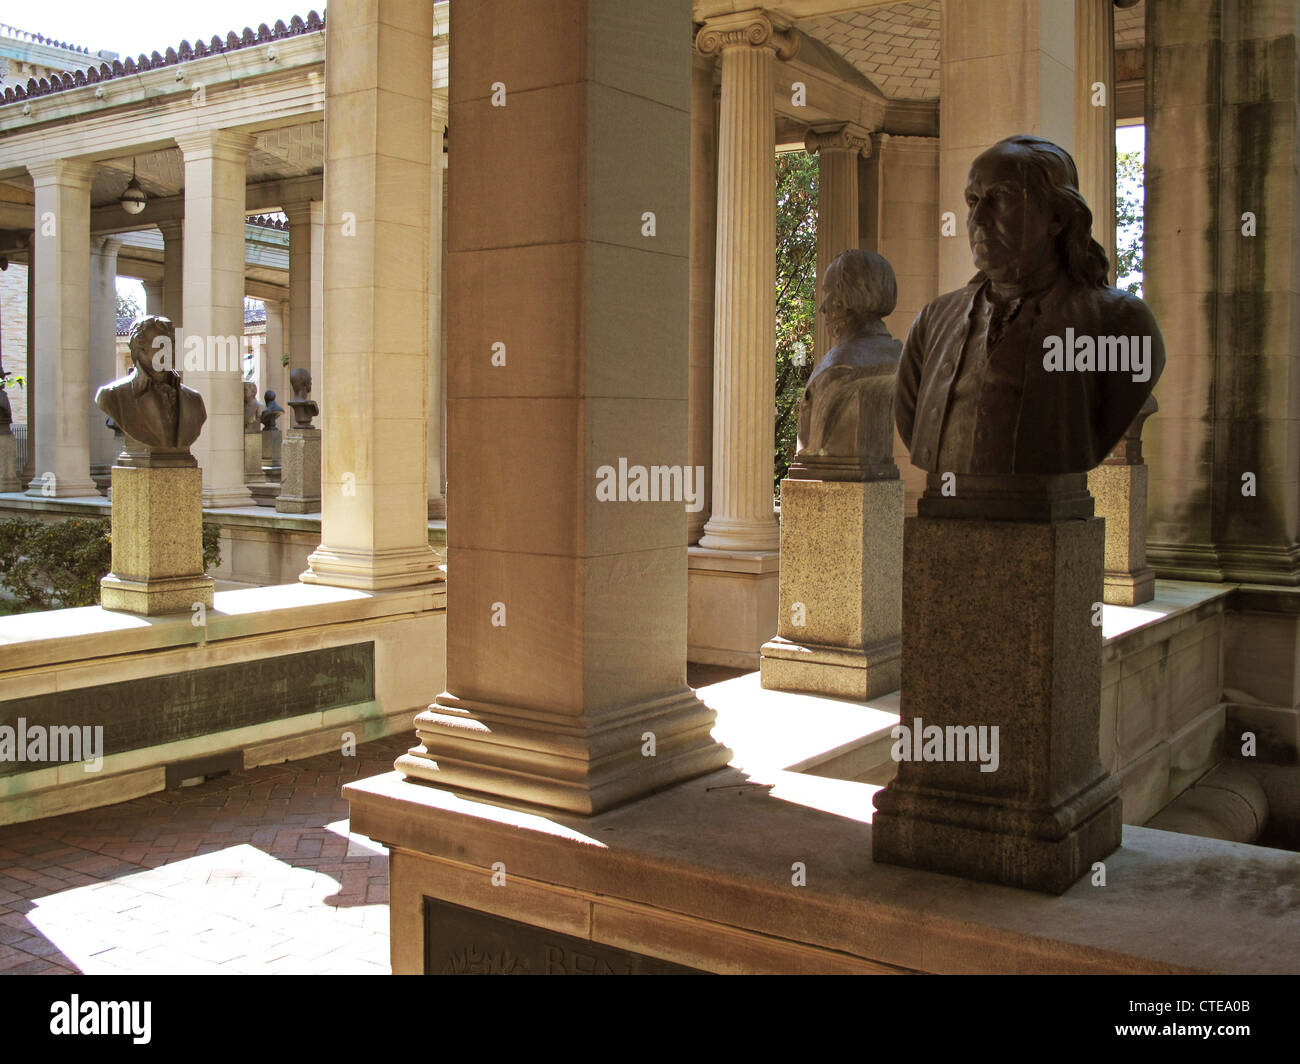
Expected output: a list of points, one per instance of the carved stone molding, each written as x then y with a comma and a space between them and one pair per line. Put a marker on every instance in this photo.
843, 137
753, 29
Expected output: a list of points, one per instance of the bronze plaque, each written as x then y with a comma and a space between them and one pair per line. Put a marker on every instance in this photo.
460, 941
154, 710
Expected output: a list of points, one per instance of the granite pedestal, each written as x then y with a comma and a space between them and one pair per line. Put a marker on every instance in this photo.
841, 589
157, 529
998, 633
300, 473
9, 480
253, 473
1121, 494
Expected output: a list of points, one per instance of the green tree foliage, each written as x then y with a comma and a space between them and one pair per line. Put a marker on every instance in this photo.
1128, 221
796, 300
56, 565
127, 307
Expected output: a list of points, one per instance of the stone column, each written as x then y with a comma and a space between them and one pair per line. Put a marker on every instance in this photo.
215, 164
1222, 278
999, 774
318, 304
173, 304
1019, 53
704, 235
566, 625
272, 373
300, 274
838, 149
28, 472
62, 348
154, 298
378, 94
437, 504
744, 336
104, 442
1119, 488
1094, 116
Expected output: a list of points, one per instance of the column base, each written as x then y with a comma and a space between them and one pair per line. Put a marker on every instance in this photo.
39, 488
843, 672
372, 570
732, 600
226, 498
1045, 849
1129, 589
729, 534
562, 762
152, 597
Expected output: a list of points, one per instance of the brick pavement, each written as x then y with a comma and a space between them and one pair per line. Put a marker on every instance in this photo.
250, 873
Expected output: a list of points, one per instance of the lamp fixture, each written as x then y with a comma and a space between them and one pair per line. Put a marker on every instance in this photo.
133, 197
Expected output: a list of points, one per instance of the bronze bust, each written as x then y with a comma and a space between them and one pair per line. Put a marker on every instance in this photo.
150, 404
845, 428
1037, 366
303, 406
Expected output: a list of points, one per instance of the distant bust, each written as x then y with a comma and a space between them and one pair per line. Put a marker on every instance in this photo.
1037, 366
303, 406
271, 413
252, 408
150, 404
846, 425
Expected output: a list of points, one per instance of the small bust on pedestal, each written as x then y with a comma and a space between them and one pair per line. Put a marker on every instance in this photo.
271, 413
252, 408
846, 427
303, 406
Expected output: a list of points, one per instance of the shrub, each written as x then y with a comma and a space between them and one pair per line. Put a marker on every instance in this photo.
57, 565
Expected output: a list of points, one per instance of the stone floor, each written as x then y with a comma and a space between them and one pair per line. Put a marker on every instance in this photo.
249, 873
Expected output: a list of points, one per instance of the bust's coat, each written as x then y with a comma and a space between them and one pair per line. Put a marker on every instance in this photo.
1067, 422
134, 404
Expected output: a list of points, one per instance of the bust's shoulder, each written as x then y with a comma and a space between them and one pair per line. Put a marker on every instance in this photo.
1117, 306
114, 390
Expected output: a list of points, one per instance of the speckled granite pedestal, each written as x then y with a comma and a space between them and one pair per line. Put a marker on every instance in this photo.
157, 528
998, 632
841, 589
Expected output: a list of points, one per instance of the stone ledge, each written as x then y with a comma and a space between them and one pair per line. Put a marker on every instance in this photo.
32, 640
719, 850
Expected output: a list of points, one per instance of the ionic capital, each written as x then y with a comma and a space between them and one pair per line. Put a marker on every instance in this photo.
746, 29
842, 137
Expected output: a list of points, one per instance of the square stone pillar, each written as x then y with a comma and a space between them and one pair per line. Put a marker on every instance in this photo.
154, 298
104, 443
1006, 66
62, 349
300, 275
378, 93
215, 164
1222, 276
838, 149
566, 616
999, 775
1119, 488
173, 304
28, 472
437, 248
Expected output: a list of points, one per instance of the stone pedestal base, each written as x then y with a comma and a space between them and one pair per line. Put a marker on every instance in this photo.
300, 473
1120, 493
1000, 655
732, 599
841, 589
9, 479
253, 458
577, 764
157, 527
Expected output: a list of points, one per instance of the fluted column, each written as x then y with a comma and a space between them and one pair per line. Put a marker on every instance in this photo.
272, 371
838, 149
437, 504
744, 337
28, 472
103, 349
62, 216
1094, 116
300, 272
215, 167
318, 308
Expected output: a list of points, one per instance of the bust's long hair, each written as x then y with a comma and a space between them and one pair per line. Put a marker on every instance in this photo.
866, 288
1052, 177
